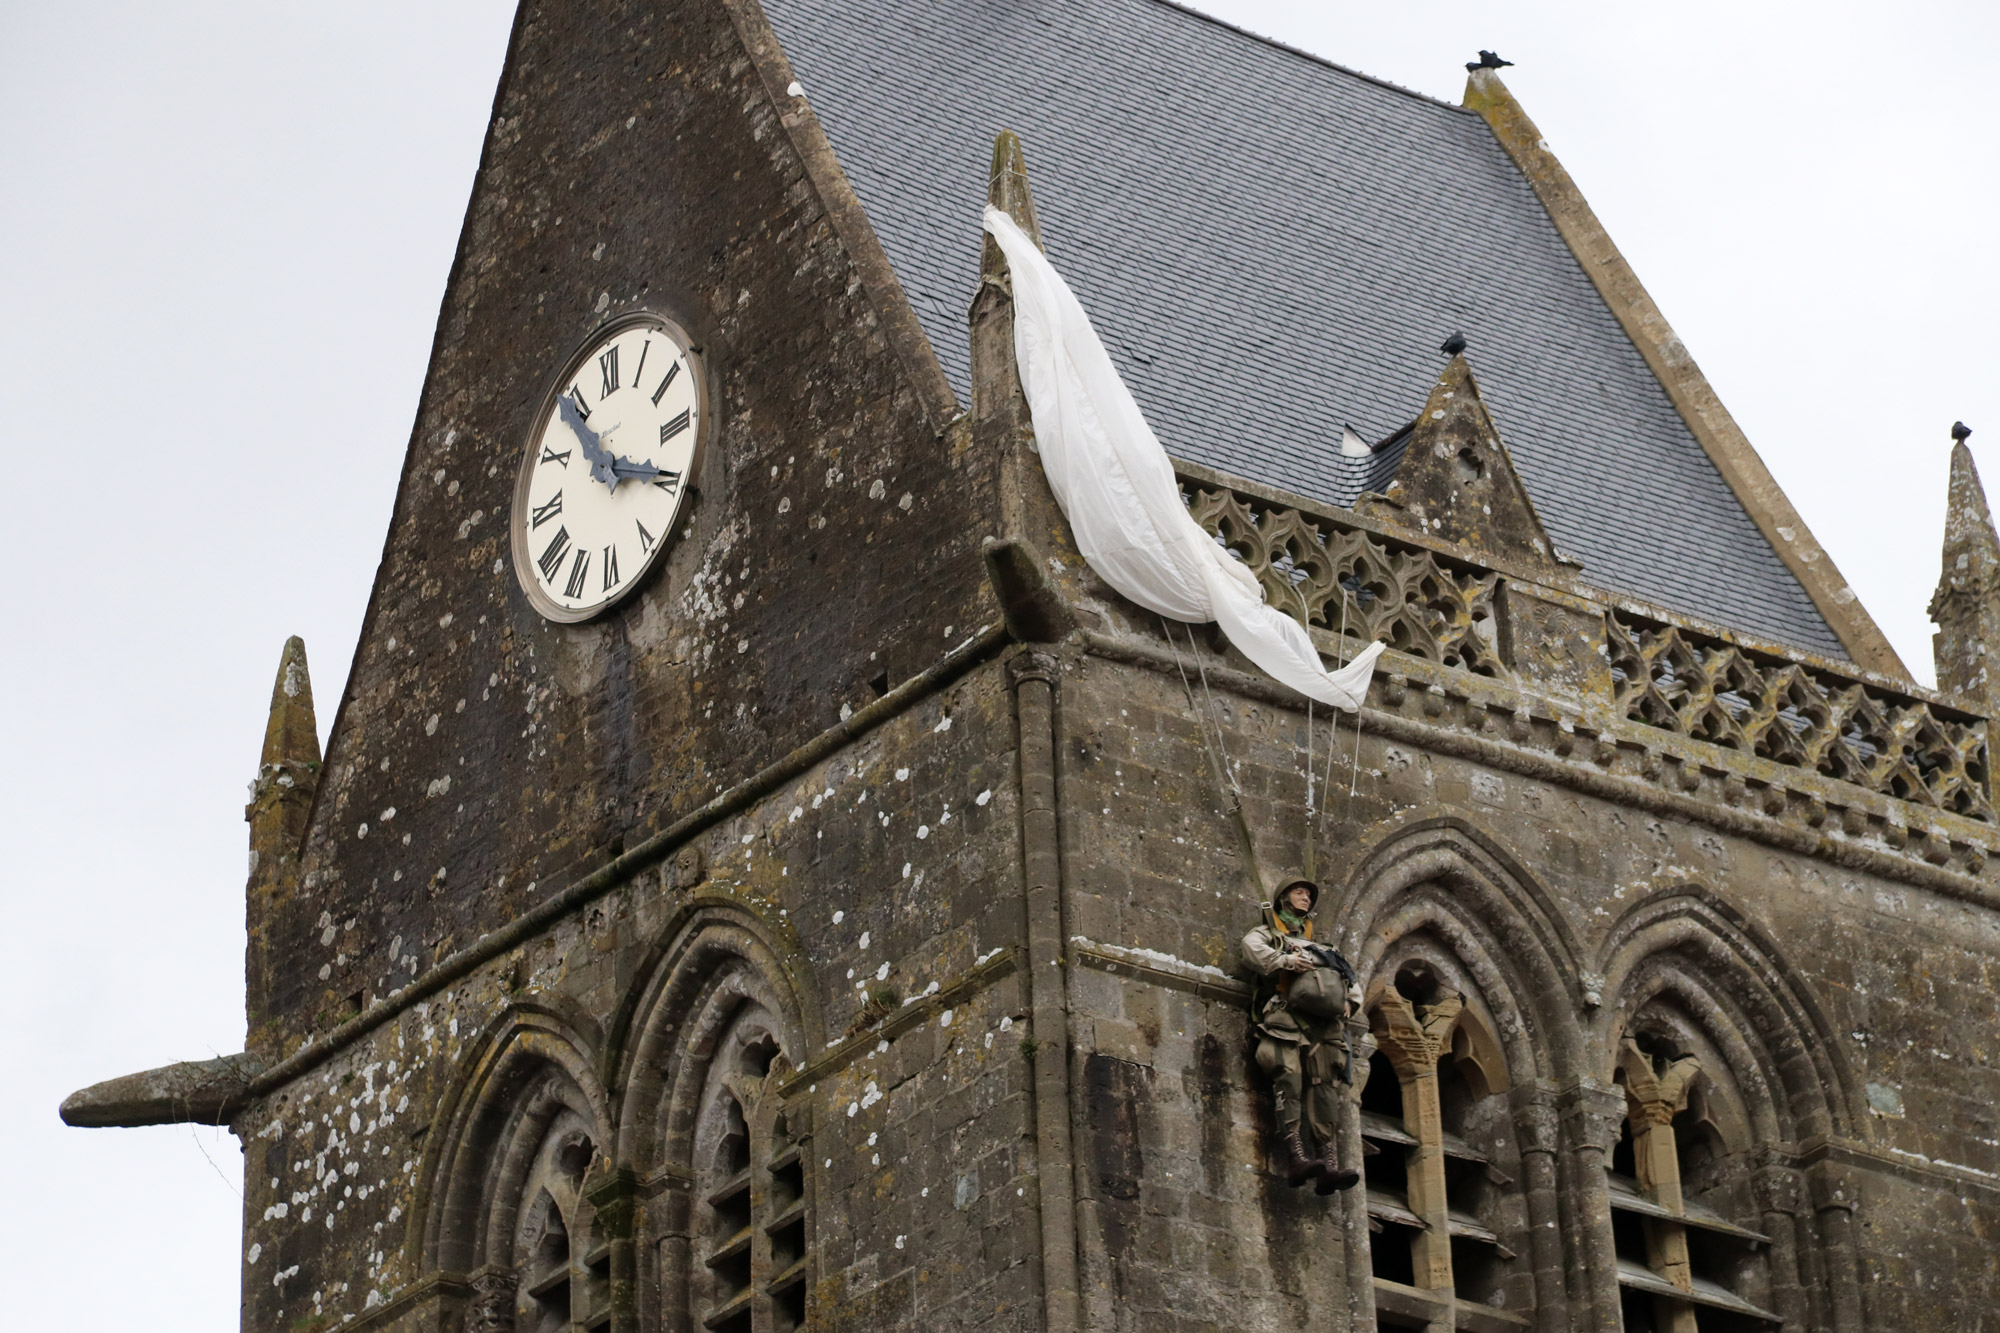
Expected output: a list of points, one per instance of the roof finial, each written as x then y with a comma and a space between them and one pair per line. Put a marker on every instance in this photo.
1966, 606
1487, 60
1453, 345
1007, 185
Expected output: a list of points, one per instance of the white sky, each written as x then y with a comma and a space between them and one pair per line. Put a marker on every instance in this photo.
224, 234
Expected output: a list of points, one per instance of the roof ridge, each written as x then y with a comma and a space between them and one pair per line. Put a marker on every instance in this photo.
1304, 54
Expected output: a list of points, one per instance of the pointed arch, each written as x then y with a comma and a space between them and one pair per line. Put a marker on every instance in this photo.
1729, 1068
524, 1128
1688, 939
706, 1041
1444, 874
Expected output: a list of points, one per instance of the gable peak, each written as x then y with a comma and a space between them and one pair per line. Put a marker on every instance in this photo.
1456, 480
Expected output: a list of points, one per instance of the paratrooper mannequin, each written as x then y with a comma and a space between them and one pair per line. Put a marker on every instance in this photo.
1303, 997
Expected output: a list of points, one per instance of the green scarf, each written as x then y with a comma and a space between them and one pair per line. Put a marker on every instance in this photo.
1293, 922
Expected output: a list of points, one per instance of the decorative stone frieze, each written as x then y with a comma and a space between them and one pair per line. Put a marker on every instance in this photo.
1346, 579
1669, 677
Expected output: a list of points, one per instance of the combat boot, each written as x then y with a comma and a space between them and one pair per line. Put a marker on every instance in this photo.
1299, 1168
1332, 1175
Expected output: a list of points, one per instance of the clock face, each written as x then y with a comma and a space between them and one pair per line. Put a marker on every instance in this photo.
607, 467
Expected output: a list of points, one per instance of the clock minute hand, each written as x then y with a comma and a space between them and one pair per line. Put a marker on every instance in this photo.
594, 452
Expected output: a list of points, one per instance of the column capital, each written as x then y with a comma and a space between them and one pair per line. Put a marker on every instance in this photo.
1024, 667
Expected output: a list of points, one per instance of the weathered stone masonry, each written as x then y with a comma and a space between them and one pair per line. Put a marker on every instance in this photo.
842, 933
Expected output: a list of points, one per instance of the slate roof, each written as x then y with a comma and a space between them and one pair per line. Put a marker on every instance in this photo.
1271, 245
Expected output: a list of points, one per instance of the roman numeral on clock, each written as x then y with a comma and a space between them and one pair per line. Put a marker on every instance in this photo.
646, 539
675, 426
667, 481
608, 363
610, 568
576, 573
549, 455
576, 396
640, 369
552, 555
544, 512
660, 392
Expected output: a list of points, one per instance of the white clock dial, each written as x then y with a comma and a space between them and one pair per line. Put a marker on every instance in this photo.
607, 467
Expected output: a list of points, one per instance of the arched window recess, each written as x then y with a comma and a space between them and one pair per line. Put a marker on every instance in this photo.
750, 1178
561, 1261
1441, 1164
1683, 1265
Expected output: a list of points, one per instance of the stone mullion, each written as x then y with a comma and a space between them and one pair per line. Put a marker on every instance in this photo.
1414, 1039
1423, 1119
1666, 1242
1653, 1097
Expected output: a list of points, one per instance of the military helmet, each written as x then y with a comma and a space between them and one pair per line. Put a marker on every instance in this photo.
1289, 881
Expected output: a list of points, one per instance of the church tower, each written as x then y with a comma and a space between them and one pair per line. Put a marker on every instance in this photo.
763, 877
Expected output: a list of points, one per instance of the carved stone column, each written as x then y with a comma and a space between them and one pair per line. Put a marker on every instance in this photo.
1655, 1093
1592, 1117
1833, 1201
1780, 1194
1354, 1202
1536, 1122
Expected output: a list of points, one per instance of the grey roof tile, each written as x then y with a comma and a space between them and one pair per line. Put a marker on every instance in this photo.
1271, 245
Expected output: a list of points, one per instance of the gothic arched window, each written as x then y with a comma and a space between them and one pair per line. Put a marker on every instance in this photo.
1683, 1265
1441, 1163
562, 1269
725, 1230
749, 1232
519, 1155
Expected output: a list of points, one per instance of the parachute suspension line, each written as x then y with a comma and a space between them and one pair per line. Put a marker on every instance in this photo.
1218, 762
1354, 775
1333, 730
1311, 868
1216, 716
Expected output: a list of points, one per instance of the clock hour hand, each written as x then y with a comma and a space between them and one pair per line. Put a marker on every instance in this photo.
626, 469
594, 452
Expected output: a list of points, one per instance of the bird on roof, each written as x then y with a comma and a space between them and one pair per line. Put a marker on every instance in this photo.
1959, 431
1453, 345
1487, 60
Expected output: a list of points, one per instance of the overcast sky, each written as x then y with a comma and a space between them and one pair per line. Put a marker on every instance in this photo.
224, 234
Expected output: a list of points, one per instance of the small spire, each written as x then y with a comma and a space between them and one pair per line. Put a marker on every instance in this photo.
1966, 605
1007, 185
291, 736
281, 801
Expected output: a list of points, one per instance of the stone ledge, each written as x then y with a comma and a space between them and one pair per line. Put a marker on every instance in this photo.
1159, 969
996, 966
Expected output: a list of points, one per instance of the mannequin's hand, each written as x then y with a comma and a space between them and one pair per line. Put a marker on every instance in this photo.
1296, 962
